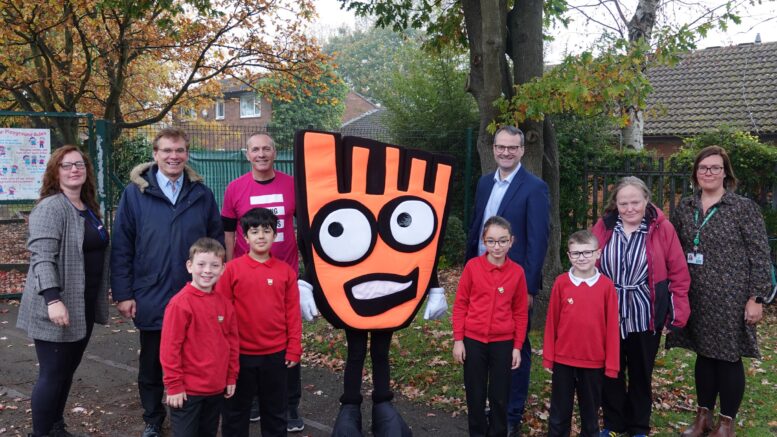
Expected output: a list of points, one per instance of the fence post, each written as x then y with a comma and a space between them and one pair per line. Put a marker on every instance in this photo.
102, 145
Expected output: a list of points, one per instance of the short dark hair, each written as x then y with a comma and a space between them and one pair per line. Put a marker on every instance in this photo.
206, 245
729, 181
512, 130
259, 218
499, 221
172, 133
583, 237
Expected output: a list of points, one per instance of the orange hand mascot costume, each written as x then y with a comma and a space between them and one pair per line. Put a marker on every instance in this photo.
371, 218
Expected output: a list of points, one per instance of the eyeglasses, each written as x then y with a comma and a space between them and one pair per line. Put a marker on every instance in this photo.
509, 149
492, 243
68, 165
583, 253
178, 151
713, 170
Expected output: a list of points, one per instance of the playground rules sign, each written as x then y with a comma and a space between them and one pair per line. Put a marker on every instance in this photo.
24, 154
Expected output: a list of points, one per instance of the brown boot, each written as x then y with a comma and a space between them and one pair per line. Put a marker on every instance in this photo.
725, 427
701, 425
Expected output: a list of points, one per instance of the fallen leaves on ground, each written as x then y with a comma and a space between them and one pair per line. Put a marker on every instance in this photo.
13, 236
12, 281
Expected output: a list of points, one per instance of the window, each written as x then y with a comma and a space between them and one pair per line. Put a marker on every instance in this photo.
250, 106
220, 110
186, 114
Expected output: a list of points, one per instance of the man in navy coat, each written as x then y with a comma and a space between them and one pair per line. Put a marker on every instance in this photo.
522, 198
162, 212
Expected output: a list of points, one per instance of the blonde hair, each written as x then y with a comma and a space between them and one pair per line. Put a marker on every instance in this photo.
612, 204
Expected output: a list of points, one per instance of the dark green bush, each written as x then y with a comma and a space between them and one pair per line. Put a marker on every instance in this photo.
454, 244
755, 163
127, 153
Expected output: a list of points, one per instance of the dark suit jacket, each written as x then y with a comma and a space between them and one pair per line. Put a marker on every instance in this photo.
526, 205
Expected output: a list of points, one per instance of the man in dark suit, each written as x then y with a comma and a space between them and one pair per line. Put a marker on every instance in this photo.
522, 198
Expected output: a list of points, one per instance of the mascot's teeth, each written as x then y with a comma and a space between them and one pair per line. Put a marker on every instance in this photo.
374, 289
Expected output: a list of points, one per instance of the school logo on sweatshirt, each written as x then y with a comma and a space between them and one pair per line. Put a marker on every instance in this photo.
269, 281
221, 319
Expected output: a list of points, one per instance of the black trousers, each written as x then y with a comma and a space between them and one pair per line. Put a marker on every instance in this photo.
57, 364
519, 384
265, 375
487, 374
198, 417
380, 342
717, 377
587, 383
627, 405
294, 386
150, 384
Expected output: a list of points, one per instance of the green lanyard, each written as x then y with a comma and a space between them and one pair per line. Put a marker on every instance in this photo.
696, 239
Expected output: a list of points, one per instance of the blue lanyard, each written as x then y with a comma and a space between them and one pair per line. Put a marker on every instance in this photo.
697, 239
92, 220
95, 222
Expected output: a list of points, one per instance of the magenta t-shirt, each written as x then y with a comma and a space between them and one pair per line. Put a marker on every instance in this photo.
244, 193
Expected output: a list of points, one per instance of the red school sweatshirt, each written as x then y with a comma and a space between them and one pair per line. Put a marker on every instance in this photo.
581, 329
199, 346
266, 300
491, 302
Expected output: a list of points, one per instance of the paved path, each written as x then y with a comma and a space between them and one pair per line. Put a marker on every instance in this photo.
104, 399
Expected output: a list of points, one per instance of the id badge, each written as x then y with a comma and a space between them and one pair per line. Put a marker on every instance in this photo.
695, 258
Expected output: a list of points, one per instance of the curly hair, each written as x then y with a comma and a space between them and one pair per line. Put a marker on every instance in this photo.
50, 186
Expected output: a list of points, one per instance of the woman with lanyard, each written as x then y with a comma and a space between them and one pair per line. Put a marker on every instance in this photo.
642, 256
726, 246
66, 291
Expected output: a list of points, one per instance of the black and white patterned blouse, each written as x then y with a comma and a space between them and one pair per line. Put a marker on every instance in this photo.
624, 261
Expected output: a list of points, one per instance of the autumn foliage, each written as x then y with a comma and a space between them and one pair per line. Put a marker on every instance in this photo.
131, 62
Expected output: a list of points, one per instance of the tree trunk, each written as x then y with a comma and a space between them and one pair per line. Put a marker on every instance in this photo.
640, 28
634, 131
525, 49
485, 21
553, 267
541, 153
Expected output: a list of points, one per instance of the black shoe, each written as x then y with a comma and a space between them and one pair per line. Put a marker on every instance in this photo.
386, 421
294, 423
58, 430
513, 430
152, 431
349, 421
255, 417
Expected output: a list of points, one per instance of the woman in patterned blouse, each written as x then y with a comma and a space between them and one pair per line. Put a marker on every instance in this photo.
726, 246
641, 254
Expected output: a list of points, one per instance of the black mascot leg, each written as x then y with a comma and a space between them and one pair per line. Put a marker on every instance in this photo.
349, 419
386, 421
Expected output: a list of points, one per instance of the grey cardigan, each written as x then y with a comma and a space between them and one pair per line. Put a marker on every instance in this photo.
56, 236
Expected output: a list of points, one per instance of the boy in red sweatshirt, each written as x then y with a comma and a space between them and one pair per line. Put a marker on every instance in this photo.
199, 346
265, 295
582, 341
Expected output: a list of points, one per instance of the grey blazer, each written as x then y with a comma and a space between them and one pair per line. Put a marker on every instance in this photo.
56, 236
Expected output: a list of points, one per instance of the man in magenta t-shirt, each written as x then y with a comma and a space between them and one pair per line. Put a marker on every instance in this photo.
268, 188
262, 187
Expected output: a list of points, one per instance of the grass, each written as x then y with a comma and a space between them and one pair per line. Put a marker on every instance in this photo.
423, 371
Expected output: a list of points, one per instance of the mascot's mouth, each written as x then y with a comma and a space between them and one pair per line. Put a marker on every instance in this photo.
376, 293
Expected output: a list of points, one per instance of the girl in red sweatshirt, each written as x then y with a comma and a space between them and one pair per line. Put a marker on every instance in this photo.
490, 315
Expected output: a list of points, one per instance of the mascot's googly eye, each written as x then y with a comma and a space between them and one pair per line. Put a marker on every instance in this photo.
346, 232
408, 223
